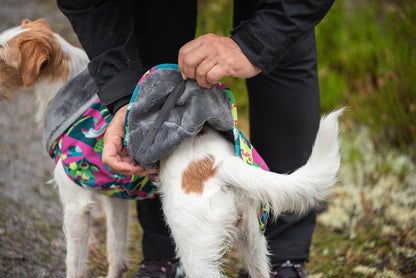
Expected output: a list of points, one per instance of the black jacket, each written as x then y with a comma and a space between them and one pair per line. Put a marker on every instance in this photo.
106, 35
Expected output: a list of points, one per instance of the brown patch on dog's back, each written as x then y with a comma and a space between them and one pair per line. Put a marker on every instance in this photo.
197, 173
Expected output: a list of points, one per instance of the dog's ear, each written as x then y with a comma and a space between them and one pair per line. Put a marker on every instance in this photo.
25, 21
37, 24
34, 55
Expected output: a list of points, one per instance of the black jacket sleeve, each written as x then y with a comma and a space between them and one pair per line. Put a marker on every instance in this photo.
275, 27
105, 29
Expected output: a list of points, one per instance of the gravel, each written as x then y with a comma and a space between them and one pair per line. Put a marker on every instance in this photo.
31, 238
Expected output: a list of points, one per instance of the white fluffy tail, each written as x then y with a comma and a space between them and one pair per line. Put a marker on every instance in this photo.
299, 190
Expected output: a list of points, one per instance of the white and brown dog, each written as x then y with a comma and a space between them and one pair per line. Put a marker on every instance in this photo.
210, 196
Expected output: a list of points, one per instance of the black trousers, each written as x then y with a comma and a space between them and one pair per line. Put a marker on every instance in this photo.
284, 118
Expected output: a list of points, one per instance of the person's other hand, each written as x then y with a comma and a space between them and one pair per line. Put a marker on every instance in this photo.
115, 156
211, 57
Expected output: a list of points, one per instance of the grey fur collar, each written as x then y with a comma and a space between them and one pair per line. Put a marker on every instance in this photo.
71, 102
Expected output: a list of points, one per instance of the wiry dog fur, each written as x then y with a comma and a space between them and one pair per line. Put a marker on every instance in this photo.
209, 195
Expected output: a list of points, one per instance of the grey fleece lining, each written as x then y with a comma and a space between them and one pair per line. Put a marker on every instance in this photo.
69, 104
161, 118
196, 107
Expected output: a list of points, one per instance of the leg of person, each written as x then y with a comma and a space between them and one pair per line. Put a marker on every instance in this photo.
161, 28
284, 119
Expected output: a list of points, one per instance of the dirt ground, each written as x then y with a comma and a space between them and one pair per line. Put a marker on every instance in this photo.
31, 238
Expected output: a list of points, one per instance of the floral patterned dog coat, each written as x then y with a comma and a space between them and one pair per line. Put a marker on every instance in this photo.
80, 147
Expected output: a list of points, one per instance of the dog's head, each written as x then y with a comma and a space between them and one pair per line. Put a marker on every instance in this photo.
27, 53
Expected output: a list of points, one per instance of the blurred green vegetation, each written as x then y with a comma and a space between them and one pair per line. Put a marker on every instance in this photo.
366, 61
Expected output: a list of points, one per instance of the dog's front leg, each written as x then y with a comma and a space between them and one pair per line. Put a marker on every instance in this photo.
77, 203
117, 211
77, 222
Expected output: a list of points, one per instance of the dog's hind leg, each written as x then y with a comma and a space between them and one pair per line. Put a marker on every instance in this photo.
200, 250
77, 202
201, 229
117, 211
253, 245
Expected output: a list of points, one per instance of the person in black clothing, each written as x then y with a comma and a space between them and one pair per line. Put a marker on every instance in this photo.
272, 46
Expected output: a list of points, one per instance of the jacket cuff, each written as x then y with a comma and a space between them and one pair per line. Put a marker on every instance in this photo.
255, 49
117, 88
116, 77
115, 106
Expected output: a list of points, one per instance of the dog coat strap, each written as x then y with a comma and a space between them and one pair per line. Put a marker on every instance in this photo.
161, 118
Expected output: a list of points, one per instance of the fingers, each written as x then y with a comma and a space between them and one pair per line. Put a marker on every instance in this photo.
202, 73
197, 58
215, 74
143, 173
209, 58
186, 67
118, 161
192, 56
114, 155
113, 142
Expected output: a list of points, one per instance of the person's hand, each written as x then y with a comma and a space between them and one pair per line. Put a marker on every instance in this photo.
211, 57
115, 156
